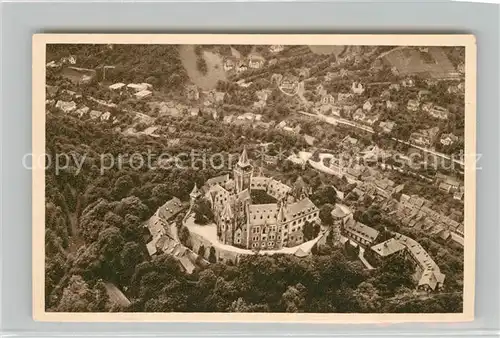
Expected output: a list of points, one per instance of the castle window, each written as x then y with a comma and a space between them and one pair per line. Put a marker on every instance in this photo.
263, 244
238, 241
294, 222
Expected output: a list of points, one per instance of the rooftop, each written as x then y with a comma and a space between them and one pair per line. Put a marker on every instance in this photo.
388, 247
218, 179
115, 295
303, 206
361, 230
341, 211
170, 208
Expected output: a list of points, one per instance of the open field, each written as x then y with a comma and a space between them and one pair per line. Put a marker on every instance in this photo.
410, 61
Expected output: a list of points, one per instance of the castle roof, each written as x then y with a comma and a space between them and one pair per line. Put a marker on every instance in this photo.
281, 213
244, 195
341, 211
361, 230
243, 160
261, 214
388, 247
227, 213
170, 208
301, 253
195, 191
218, 180
305, 205
300, 184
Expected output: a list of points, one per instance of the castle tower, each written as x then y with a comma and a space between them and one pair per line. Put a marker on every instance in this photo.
281, 221
194, 195
243, 172
226, 225
300, 189
341, 214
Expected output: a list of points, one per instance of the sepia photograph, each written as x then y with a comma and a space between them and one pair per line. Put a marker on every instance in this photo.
253, 178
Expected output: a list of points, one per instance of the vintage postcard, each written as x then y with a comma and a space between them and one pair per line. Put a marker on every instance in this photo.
263, 178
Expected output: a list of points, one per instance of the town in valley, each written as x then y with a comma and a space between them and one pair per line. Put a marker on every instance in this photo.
279, 178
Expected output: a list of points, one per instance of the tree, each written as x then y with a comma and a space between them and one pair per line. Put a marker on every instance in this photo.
132, 205
79, 297
122, 186
395, 272
185, 237
323, 195
325, 214
131, 256
368, 298
201, 64
212, 258
310, 230
161, 192
293, 298
240, 305
203, 212
201, 251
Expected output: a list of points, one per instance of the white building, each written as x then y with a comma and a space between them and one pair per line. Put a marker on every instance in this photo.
117, 86
143, 94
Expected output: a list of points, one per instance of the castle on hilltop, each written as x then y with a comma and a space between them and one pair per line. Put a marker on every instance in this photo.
244, 224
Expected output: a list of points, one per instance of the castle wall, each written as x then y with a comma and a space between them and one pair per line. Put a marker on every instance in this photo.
221, 254
259, 183
264, 237
293, 229
277, 189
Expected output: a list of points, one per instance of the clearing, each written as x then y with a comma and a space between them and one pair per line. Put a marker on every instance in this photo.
215, 68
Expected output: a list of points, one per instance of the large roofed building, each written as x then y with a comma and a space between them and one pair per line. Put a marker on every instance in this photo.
241, 222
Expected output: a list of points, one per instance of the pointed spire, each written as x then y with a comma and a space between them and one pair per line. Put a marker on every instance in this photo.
299, 188
281, 212
300, 181
243, 160
227, 213
195, 191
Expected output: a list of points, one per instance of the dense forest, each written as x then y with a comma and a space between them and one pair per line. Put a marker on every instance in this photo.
94, 234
